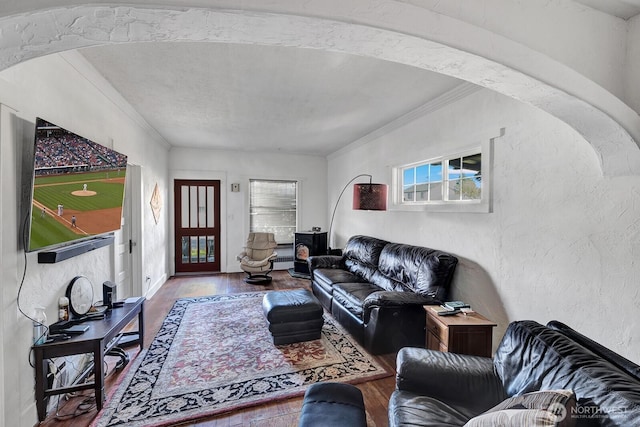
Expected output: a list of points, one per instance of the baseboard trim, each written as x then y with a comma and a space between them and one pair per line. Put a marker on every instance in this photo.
156, 286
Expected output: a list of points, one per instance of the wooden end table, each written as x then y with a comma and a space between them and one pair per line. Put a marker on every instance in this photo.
460, 333
101, 336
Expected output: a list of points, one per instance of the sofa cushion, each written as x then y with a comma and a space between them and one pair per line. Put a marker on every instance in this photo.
410, 409
515, 418
427, 272
540, 408
327, 277
362, 255
533, 357
352, 295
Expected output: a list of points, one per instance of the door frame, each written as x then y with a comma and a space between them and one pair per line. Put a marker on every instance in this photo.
211, 197
179, 174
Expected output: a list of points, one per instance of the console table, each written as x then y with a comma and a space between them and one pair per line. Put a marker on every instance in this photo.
460, 333
101, 336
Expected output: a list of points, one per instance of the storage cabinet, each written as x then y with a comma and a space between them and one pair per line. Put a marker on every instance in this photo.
460, 333
307, 243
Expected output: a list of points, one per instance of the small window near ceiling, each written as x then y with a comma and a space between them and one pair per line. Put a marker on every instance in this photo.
422, 183
464, 178
273, 208
453, 180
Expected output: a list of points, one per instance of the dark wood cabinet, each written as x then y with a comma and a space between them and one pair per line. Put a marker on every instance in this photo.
464, 334
307, 243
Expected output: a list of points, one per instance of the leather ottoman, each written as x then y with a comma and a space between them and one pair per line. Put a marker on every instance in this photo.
333, 404
293, 316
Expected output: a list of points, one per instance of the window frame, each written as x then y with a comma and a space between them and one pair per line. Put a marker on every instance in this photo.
482, 205
297, 208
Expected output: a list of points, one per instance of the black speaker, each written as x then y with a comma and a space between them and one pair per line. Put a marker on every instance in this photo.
109, 294
60, 254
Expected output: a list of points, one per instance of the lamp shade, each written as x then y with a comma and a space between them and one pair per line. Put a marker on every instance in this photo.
370, 197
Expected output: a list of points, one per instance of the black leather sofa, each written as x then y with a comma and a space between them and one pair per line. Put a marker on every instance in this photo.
376, 290
446, 389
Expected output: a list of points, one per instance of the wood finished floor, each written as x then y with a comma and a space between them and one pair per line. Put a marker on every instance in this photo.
376, 393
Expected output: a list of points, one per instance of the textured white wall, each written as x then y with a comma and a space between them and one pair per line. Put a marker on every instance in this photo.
50, 87
576, 35
241, 166
632, 65
562, 240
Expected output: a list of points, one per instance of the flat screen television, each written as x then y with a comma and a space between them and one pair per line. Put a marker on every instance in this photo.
78, 188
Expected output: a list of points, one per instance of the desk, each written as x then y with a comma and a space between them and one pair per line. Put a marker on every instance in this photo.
100, 338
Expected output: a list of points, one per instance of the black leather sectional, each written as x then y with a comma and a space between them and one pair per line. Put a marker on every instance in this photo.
447, 389
376, 290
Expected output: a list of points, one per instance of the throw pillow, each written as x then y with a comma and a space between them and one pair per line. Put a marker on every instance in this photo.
539, 408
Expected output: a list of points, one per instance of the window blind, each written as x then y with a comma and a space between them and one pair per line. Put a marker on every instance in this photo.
273, 208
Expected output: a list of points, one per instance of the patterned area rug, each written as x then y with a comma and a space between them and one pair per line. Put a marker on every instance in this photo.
215, 354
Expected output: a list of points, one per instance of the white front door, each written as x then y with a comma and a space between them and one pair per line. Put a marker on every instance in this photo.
127, 250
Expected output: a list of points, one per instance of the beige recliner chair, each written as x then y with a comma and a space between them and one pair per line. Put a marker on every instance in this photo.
257, 258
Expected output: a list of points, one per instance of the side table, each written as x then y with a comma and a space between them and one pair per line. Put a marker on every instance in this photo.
101, 336
460, 333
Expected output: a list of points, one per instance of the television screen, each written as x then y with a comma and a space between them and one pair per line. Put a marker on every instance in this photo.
78, 188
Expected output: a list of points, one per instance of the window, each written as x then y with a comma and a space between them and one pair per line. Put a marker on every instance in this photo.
272, 208
422, 183
453, 183
465, 178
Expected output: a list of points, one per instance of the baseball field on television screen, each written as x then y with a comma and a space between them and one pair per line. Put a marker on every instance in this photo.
72, 206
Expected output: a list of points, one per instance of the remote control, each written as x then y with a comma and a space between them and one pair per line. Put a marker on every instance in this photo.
448, 312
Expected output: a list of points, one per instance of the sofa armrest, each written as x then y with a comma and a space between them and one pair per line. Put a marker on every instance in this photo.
395, 299
456, 379
325, 261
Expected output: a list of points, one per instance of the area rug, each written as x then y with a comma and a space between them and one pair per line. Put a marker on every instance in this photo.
215, 354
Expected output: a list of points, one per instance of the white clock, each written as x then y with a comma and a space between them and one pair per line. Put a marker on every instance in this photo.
80, 294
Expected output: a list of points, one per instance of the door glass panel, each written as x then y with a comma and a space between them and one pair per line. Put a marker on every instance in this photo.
210, 208
211, 248
185, 249
184, 206
202, 249
193, 207
202, 208
194, 248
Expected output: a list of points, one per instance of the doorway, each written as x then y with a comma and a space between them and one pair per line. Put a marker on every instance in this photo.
197, 225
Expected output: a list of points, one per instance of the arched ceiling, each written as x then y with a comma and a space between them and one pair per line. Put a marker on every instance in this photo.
404, 37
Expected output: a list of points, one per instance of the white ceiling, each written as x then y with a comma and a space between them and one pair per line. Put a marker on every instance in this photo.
247, 97
624, 9
251, 97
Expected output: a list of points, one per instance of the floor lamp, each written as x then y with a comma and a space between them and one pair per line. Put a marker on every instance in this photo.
366, 197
